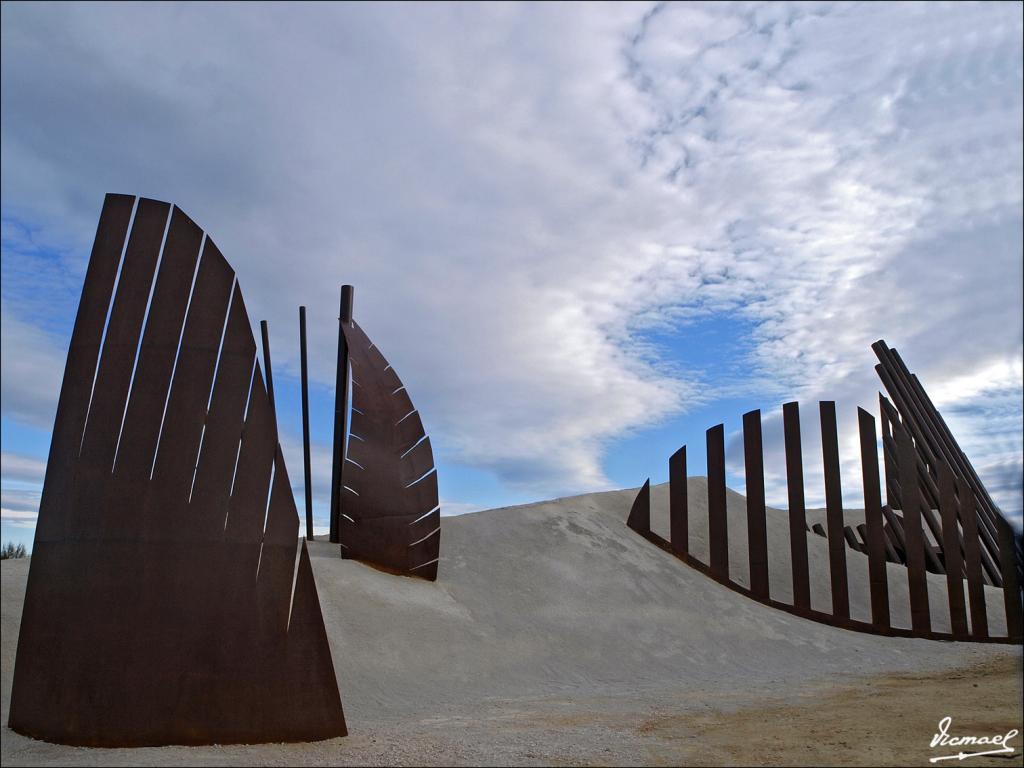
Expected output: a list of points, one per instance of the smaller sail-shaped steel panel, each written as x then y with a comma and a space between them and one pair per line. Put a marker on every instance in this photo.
389, 512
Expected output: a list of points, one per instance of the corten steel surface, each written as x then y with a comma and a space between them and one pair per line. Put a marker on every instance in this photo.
340, 412
163, 603
640, 513
834, 510
891, 480
937, 447
873, 534
797, 512
972, 557
718, 520
880, 524
757, 531
913, 533
389, 512
929, 493
851, 539
679, 509
268, 369
951, 549
1011, 587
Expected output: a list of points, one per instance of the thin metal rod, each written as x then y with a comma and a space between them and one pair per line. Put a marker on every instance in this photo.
264, 330
305, 425
340, 412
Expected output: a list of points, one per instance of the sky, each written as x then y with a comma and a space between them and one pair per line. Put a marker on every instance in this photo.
582, 233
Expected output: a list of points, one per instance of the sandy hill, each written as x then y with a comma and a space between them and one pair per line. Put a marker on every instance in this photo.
545, 610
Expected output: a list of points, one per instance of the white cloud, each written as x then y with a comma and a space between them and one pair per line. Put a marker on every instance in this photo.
31, 367
22, 469
17, 514
518, 192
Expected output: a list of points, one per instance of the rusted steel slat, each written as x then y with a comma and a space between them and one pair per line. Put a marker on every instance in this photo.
874, 535
679, 516
917, 423
640, 513
248, 505
834, 510
890, 547
896, 527
126, 500
947, 444
891, 492
913, 533
276, 565
797, 512
954, 455
862, 537
178, 450
267, 368
340, 413
55, 505
1011, 586
114, 373
951, 551
757, 533
991, 508
972, 555
851, 539
718, 521
941, 448
215, 464
927, 490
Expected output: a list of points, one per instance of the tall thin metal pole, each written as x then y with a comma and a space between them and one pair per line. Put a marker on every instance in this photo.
340, 412
305, 425
267, 370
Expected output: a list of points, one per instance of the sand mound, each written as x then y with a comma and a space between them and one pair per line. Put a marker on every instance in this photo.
560, 599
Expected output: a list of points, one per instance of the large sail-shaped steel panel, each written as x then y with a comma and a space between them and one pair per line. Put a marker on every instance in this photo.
169, 600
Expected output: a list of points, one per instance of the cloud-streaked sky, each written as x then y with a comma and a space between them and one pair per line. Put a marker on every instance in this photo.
581, 233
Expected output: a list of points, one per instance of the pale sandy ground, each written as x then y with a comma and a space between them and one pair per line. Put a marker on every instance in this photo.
555, 635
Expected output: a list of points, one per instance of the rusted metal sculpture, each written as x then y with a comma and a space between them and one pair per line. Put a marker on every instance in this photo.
387, 506
958, 508
169, 600
933, 447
